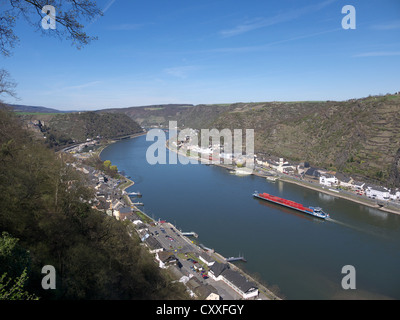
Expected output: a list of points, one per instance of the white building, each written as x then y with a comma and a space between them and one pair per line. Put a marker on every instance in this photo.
378, 193
281, 165
206, 259
328, 180
233, 279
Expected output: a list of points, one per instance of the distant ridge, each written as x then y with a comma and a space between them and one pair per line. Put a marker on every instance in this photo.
36, 109
357, 137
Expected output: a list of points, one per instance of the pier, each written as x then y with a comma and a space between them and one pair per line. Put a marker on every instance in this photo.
232, 259
190, 234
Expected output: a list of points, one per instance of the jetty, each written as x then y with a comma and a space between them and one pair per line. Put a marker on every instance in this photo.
190, 234
232, 259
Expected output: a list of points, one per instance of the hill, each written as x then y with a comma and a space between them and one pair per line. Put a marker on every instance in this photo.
153, 115
33, 109
46, 219
67, 128
359, 137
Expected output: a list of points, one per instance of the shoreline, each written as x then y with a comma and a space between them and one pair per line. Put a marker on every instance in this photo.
112, 141
262, 288
130, 182
365, 202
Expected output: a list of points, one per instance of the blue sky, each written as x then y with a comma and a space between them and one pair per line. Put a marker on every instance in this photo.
212, 51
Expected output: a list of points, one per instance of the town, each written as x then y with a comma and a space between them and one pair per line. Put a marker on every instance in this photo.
206, 274
274, 168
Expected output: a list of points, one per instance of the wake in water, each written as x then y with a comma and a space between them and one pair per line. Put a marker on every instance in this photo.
339, 222
355, 228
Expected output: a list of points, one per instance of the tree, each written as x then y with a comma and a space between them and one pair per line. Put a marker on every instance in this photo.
107, 164
68, 15
6, 84
14, 290
14, 265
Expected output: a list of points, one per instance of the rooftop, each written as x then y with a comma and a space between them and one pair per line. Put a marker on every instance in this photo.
239, 281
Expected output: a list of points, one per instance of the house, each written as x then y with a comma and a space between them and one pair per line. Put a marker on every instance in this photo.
116, 205
344, 181
222, 271
206, 292
301, 169
206, 259
166, 259
123, 213
378, 193
215, 272
313, 172
281, 165
154, 245
358, 186
240, 284
328, 180
394, 194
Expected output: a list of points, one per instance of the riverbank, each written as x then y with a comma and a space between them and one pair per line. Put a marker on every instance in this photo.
363, 201
264, 292
265, 234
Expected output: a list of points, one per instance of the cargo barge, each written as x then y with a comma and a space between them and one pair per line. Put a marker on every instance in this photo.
314, 211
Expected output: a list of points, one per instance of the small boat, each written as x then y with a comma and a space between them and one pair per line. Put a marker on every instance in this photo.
135, 194
243, 171
314, 211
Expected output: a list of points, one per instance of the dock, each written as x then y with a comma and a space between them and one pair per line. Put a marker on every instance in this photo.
232, 259
190, 234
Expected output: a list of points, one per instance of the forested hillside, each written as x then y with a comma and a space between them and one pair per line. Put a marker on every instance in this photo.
360, 137
46, 219
66, 128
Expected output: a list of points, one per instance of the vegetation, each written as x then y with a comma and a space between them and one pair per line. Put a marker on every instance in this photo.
359, 137
44, 203
68, 26
64, 129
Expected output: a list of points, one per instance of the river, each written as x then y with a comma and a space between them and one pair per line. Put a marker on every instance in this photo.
301, 255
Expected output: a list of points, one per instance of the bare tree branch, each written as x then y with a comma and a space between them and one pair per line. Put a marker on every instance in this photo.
69, 14
7, 86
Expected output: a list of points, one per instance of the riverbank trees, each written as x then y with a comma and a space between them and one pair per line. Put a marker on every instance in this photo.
45, 204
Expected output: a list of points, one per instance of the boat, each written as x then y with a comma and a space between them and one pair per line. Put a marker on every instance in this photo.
314, 211
134, 194
271, 178
243, 171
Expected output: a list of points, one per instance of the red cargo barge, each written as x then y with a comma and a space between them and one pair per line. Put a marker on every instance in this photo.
314, 211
